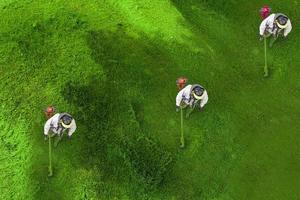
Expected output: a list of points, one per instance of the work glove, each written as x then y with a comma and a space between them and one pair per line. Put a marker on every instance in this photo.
201, 108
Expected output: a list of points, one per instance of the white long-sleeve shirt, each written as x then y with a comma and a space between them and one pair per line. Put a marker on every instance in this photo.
268, 26
53, 125
185, 95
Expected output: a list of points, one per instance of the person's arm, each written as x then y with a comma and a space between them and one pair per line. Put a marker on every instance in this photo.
268, 22
47, 127
263, 26
179, 98
288, 29
72, 129
204, 100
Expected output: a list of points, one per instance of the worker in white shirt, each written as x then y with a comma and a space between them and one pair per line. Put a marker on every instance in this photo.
58, 124
191, 96
274, 25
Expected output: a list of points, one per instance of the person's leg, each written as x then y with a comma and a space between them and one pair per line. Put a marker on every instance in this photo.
59, 137
189, 111
191, 108
265, 36
272, 40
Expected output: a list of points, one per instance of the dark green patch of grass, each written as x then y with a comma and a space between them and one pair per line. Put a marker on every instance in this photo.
148, 158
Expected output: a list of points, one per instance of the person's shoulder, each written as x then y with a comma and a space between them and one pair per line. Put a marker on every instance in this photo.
271, 16
186, 88
51, 119
73, 124
56, 116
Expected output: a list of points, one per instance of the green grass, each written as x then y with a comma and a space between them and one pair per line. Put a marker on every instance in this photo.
113, 65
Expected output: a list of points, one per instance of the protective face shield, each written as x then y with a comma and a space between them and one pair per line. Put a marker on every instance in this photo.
66, 121
198, 93
281, 22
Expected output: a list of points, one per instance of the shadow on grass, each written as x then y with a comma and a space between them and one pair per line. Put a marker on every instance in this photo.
111, 111
109, 114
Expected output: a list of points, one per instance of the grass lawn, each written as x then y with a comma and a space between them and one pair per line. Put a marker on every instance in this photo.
113, 65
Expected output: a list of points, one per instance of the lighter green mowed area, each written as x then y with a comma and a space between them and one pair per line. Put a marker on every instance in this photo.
113, 65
